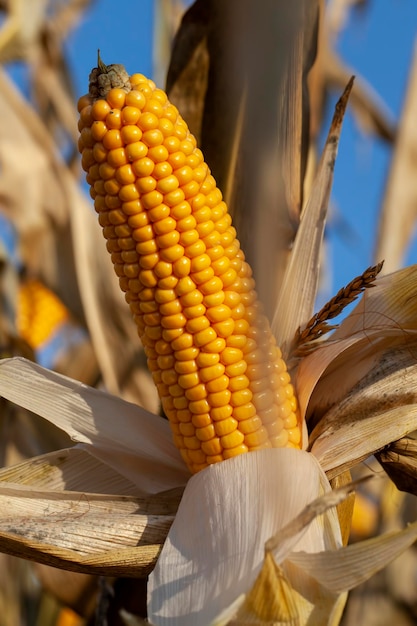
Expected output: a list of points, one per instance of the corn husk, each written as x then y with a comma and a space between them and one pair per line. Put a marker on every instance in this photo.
295, 306
89, 416
244, 502
291, 578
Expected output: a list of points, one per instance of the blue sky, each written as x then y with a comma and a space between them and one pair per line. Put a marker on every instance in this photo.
377, 44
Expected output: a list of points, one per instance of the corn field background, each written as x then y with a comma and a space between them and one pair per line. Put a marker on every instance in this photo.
60, 302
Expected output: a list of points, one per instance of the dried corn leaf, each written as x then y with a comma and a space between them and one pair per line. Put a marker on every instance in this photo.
38, 41
348, 567
51, 77
272, 601
361, 385
9, 287
186, 80
55, 103
79, 527
389, 305
366, 422
73, 469
67, 14
377, 410
18, 34
280, 594
338, 13
136, 561
399, 209
385, 316
166, 17
299, 289
53, 507
399, 460
140, 445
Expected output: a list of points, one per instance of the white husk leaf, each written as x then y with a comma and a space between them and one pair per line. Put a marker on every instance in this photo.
352, 565
215, 548
311, 587
284, 596
282, 593
137, 445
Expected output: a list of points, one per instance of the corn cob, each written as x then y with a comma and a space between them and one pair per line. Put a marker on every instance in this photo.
220, 376
39, 313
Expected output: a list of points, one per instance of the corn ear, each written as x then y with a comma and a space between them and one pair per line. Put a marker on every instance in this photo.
221, 378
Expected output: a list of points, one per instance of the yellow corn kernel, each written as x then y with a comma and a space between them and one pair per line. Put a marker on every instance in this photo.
225, 427
217, 384
220, 413
221, 379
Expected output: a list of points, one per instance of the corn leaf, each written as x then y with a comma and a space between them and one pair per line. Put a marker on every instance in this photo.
139, 446
338, 14
384, 317
370, 111
18, 34
330, 74
380, 407
299, 288
60, 510
186, 80
81, 532
348, 567
389, 304
310, 586
73, 469
374, 374
364, 434
399, 460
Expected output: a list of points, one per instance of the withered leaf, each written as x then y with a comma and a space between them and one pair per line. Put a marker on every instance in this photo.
399, 460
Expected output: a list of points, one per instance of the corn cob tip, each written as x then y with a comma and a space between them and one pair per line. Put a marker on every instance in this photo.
104, 77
